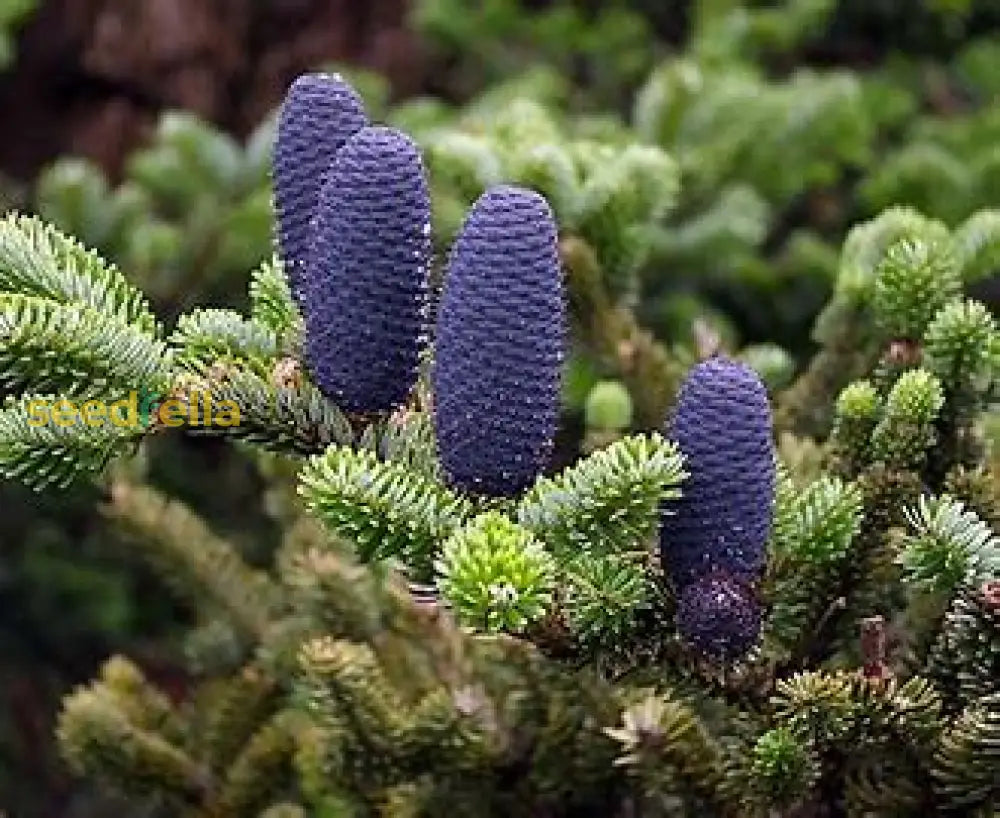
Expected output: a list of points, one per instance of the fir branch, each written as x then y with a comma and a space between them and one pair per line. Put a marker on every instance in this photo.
214, 646
870, 584
208, 336
846, 330
612, 333
50, 347
783, 768
36, 259
462, 162
851, 713
608, 502
978, 487
50, 454
855, 415
965, 657
546, 167
906, 432
602, 596
345, 680
883, 786
384, 509
631, 187
667, 747
968, 757
815, 523
320, 758
331, 593
195, 563
98, 739
948, 545
811, 544
409, 440
272, 305
233, 709
291, 418
263, 769
140, 702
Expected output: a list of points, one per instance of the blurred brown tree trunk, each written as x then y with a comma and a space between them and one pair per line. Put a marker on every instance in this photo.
93, 74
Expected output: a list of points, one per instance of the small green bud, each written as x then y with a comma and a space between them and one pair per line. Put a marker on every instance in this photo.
916, 397
866, 244
783, 767
913, 281
858, 402
855, 415
959, 345
609, 407
906, 430
495, 574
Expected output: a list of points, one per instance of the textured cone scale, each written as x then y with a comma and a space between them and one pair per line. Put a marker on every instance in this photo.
719, 616
499, 347
367, 281
722, 424
319, 114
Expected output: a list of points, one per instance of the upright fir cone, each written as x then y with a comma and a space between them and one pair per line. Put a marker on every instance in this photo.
319, 114
499, 346
719, 615
722, 424
367, 280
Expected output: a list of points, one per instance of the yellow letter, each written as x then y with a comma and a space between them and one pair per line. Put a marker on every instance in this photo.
38, 412
63, 413
227, 414
93, 413
193, 408
131, 415
171, 413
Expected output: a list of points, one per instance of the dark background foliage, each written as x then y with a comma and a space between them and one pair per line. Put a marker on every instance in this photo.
91, 79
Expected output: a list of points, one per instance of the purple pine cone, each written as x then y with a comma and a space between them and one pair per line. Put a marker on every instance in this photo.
367, 281
499, 348
319, 114
722, 424
719, 616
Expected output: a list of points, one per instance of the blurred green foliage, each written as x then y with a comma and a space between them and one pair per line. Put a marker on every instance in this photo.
748, 150
13, 14
603, 47
192, 211
745, 177
73, 588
